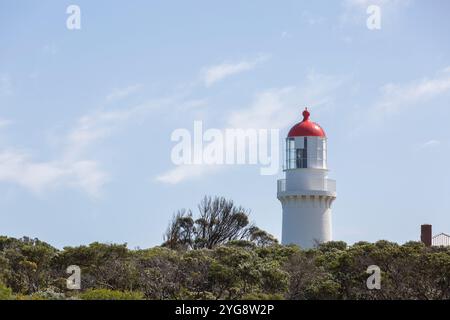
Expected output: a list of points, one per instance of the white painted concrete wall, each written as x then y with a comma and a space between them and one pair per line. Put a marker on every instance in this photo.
305, 179
306, 220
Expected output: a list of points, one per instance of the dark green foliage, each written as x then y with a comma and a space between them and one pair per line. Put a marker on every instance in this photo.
220, 255
25, 264
106, 294
5, 293
240, 269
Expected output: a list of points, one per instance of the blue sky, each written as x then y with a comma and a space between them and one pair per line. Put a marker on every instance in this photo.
86, 115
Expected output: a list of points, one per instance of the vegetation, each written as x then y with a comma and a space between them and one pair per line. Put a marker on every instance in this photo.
5, 293
107, 294
197, 261
219, 222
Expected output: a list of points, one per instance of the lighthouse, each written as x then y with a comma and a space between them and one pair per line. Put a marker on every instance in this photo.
306, 193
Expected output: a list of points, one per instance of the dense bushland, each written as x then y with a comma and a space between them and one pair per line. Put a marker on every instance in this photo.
220, 255
31, 269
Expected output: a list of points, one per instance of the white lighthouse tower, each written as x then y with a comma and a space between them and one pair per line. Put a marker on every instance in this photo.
306, 194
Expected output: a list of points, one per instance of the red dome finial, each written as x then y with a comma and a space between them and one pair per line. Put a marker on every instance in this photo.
306, 128
306, 114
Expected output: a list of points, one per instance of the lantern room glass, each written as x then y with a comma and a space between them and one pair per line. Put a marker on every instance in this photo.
296, 157
300, 158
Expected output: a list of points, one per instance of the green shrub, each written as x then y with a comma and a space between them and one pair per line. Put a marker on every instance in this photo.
48, 294
5, 293
106, 294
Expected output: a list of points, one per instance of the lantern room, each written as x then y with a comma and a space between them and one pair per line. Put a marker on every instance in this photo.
306, 145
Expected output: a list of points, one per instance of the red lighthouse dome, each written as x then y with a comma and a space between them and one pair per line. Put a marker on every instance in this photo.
306, 128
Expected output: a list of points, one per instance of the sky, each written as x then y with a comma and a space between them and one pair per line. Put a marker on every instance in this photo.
87, 115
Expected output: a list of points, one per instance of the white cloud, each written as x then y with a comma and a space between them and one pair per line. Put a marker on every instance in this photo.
271, 109
88, 132
286, 35
95, 126
18, 167
430, 144
92, 128
398, 97
268, 110
121, 93
276, 108
186, 172
221, 71
73, 167
5, 85
88, 176
4, 123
